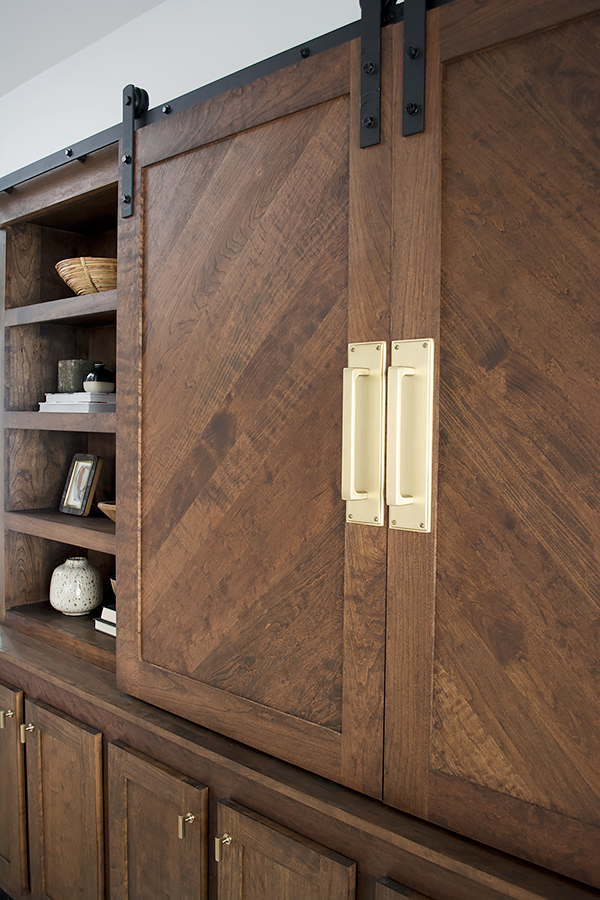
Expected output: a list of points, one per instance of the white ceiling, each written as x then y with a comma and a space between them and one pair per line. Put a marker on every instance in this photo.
37, 34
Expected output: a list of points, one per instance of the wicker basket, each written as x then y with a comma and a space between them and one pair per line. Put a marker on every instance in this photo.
88, 274
109, 509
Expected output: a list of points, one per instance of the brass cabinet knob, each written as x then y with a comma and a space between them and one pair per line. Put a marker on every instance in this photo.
4, 715
221, 842
24, 728
182, 822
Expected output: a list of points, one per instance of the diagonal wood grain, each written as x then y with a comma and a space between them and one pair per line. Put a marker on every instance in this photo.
516, 690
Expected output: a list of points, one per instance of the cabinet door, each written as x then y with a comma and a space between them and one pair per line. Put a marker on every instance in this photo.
64, 795
494, 703
262, 247
262, 859
158, 830
13, 822
390, 890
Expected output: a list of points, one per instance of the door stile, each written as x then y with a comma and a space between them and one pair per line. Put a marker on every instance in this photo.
369, 291
411, 556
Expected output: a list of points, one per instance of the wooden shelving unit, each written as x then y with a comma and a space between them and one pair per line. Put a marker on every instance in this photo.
42, 325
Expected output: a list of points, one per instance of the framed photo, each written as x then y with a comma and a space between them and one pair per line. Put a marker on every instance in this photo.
80, 485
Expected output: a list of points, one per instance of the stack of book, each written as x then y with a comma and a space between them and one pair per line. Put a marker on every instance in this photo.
107, 621
79, 402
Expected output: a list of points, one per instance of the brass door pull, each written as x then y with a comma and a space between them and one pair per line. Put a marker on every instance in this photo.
182, 821
4, 715
25, 728
221, 842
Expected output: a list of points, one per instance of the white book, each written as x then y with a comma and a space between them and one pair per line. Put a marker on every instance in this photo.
106, 627
77, 407
82, 397
109, 614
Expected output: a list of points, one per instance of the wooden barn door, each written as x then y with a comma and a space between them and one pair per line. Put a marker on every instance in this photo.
261, 245
493, 717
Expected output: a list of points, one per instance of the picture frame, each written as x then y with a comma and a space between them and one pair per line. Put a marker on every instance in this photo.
81, 484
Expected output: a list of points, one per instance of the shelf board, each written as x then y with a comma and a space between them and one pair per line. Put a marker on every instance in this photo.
105, 422
75, 635
90, 309
89, 532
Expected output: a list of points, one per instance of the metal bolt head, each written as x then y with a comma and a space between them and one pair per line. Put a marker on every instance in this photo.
350, 516
126, 158
393, 521
422, 525
69, 152
369, 122
425, 346
412, 108
304, 52
125, 198
351, 349
128, 100
166, 109
412, 52
376, 519
396, 346
369, 68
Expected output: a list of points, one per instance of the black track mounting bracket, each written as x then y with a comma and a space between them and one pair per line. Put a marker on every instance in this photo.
371, 21
413, 87
135, 104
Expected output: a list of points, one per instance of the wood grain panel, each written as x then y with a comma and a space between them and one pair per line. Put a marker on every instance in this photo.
148, 858
516, 707
266, 860
237, 481
318, 79
64, 781
472, 25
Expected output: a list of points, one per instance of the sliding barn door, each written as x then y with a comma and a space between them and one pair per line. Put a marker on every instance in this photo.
494, 692
261, 247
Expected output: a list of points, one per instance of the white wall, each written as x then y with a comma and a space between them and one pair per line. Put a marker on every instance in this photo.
173, 47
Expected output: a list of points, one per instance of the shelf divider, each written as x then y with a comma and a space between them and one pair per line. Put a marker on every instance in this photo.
98, 309
91, 533
76, 635
99, 423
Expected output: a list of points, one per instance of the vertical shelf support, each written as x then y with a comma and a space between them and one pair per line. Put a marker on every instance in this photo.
135, 103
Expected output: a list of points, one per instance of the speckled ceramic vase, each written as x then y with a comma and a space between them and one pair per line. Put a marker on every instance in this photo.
75, 587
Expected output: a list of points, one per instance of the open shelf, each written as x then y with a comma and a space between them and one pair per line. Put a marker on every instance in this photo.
90, 310
75, 635
88, 532
98, 423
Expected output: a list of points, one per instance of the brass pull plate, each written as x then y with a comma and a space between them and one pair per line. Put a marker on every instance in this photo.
221, 842
182, 821
410, 435
363, 433
4, 715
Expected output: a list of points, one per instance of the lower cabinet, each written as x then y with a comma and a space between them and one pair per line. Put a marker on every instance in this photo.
65, 806
259, 859
158, 832
13, 833
391, 890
